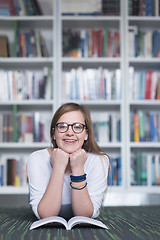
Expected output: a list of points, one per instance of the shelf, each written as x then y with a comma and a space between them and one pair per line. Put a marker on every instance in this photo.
23, 60
13, 190
143, 18
145, 102
27, 18
90, 18
89, 60
144, 60
19, 145
145, 189
27, 102
96, 102
147, 145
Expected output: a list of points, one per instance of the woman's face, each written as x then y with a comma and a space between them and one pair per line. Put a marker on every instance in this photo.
70, 141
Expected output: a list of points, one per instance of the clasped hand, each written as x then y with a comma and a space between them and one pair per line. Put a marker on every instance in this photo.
61, 159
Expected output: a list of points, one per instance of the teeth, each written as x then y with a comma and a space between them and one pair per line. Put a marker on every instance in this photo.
69, 140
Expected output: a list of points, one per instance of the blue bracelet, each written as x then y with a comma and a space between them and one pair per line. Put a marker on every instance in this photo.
78, 188
80, 178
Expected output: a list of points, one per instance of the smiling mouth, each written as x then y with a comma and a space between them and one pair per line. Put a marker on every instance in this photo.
69, 140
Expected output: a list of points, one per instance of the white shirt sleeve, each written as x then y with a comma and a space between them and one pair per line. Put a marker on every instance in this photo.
97, 168
38, 177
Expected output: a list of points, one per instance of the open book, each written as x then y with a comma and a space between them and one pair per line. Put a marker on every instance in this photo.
68, 225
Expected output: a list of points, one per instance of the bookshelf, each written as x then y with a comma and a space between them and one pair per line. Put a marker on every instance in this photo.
52, 25
144, 61
34, 66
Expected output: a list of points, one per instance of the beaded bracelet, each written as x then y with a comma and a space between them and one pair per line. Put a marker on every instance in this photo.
78, 185
80, 178
78, 188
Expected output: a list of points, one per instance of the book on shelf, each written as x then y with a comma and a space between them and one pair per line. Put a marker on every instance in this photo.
24, 127
139, 166
91, 42
4, 52
20, 8
136, 127
145, 168
145, 126
111, 7
29, 43
106, 126
91, 84
77, 220
132, 40
7, 8
115, 172
13, 171
144, 43
26, 84
144, 84
70, 7
148, 85
144, 8
154, 127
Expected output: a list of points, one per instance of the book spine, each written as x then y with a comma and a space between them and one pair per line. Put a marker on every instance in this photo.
136, 127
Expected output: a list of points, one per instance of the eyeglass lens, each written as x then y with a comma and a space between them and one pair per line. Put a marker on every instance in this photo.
76, 127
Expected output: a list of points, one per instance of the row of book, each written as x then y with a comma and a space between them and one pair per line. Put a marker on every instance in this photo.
27, 84
91, 42
145, 168
144, 84
13, 171
91, 84
145, 126
144, 7
26, 44
96, 7
143, 43
115, 172
20, 8
29, 43
24, 127
106, 126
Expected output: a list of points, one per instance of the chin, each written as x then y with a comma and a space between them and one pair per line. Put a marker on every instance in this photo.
70, 150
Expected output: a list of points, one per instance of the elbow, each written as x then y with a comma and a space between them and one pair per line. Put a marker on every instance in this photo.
86, 212
45, 213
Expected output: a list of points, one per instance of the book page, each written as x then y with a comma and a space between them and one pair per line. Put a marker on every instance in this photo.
45, 221
80, 219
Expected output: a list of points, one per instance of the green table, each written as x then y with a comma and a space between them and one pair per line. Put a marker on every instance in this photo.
123, 223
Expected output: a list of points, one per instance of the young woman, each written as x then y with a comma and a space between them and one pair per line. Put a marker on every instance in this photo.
70, 178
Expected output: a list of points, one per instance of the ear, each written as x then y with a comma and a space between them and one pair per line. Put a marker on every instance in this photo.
86, 137
53, 130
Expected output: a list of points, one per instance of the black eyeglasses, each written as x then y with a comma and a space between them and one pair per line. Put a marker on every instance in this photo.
63, 127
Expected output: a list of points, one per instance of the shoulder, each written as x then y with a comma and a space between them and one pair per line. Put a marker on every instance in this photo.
98, 161
38, 156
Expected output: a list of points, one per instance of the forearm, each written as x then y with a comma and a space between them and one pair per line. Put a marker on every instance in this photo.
50, 203
81, 203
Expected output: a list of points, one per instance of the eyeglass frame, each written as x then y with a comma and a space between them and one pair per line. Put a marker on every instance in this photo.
68, 125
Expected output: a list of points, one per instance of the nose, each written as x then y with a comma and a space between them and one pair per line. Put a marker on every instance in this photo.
70, 130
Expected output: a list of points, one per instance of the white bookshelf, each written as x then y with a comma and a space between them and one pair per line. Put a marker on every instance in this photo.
51, 25
143, 23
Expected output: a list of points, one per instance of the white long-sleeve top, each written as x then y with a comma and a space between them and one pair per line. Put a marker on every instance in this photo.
39, 172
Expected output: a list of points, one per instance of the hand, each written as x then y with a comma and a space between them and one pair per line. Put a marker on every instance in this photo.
59, 158
77, 160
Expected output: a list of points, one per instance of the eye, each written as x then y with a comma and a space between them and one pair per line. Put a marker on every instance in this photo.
78, 126
62, 126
